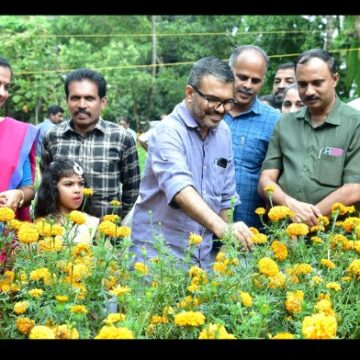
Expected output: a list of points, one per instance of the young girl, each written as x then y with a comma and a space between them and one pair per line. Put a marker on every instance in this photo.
60, 192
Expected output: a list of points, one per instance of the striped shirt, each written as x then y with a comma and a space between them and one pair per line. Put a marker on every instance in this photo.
109, 158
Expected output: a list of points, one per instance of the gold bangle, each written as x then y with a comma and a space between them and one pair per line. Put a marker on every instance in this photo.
21, 202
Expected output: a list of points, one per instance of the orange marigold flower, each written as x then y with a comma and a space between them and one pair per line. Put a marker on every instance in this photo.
268, 267
297, 230
6, 214
77, 217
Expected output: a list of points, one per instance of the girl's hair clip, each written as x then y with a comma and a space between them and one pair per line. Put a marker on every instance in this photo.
78, 169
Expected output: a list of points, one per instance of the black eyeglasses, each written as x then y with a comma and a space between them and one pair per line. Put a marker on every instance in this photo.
214, 102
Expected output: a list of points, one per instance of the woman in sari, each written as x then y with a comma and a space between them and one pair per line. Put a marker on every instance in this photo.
17, 155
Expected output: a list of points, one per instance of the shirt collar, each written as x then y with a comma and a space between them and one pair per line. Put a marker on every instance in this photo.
255, 108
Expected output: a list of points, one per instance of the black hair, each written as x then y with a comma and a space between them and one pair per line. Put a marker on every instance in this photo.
5, 63
288, 65
320, 54
54, 109
47, 196
86, 74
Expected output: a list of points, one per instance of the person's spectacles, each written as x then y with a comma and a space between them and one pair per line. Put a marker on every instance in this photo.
214, 102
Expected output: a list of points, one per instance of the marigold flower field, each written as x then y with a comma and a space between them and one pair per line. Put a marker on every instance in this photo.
299, 283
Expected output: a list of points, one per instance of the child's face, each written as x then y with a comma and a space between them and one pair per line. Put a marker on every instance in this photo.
70, 191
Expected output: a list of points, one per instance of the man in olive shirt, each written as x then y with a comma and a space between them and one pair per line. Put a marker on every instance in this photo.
314, 154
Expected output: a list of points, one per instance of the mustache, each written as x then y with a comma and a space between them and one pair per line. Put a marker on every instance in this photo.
82, 112
310, 98
246, 91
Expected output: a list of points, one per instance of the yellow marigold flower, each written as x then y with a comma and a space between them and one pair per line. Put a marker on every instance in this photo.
350, 209
316, 240
77, 217
79, 309
41, 332
21, 307
323, 220
115, 203
24, 325
235, 262
35, 292
110, 282
158, 320
260, 211
65, 332
346, 278
302, 269
338, 207
15, 224
333, 286
294, 300
297, 229
259, 238
6, 214
270, 188
324, 306
120, 290
189, 318
283, 336
317, 228
107, 228
81, 250
357, 231
350, 223
196, 271
111, 217
277, 281
246, 299
254, 230
28, 233
88, 191
123, 231
220, 257
9, 276
277, 213
323, 296
61, 298
114, 318
195, 239
50, 244
319, 326
215, 331
316, 280
57, 230
268, 267
141, 268
219, 267
280, 250
112, 332
329, 264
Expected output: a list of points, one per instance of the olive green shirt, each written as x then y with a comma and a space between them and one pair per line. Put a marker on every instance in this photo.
314, 162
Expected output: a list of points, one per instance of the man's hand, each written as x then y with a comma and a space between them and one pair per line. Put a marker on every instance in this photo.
304, 212
242, 233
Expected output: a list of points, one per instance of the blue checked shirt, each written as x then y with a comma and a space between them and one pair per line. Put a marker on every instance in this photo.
109, 158
251, 131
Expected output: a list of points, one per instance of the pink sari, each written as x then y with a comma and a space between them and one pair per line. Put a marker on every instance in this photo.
17, 142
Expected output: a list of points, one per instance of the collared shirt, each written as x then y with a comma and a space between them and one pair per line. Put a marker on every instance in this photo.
44, 127
251, 131
178, 157
315, 161
109, 158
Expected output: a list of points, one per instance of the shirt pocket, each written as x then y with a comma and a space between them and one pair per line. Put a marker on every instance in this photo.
218, 174
329, 170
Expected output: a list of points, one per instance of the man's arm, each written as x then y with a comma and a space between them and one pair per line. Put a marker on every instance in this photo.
348, 194
305, 212
195, 207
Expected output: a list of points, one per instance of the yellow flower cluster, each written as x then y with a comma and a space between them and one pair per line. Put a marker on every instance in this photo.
328, 263
277, 213
297, 230
215, 331
189, 318
61, 298
350, 223
319, 326
333, 285
268, 267
79, 309
260, 211
259, 238
114, 318
280, 250
277, 281
111, 217
270, 188
340, 208
46, 229
283, 336
302, 269
35, 292
112, 332
354, 268
195, 239
49, 244
77, 217
65, 332
88, 191
115, 203
294, 300
81, 250
41, 332
158, 320
120, 290
141, 268
21, 307
28, 233
24, 325
246, 299
6, 214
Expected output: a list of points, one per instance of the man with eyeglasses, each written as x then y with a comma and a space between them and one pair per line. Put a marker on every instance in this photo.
188, 181
251, 123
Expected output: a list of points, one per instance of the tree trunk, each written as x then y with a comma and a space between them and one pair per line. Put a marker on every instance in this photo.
153, 67
330, 28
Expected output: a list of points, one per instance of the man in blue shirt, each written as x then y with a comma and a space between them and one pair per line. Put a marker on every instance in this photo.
251, 123
189, 173
55, 115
